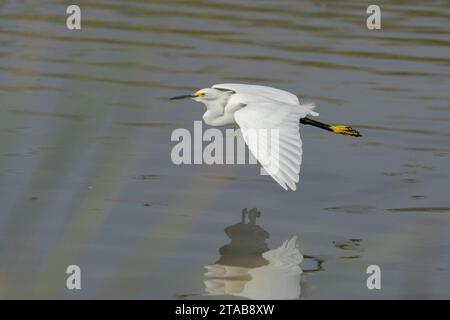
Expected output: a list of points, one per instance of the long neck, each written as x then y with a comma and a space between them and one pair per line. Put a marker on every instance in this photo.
217, 119
215, 112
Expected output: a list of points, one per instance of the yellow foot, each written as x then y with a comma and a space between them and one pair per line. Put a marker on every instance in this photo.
343, 129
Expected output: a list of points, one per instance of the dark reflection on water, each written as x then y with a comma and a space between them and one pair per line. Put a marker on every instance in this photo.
85, 125
248, 268
248, 242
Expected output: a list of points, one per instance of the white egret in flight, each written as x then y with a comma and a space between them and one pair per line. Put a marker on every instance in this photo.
254, 107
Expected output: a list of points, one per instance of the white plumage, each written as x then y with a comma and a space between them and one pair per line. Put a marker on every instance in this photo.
269, 121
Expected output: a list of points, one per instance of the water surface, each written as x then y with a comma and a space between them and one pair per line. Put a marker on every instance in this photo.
85, 170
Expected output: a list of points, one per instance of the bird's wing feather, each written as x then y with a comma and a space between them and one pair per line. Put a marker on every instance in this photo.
260, 91
271, 131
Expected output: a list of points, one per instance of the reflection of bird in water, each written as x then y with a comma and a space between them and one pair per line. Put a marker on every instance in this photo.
248, 242
249, 269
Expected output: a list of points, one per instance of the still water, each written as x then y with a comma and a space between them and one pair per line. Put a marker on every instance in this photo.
86, 176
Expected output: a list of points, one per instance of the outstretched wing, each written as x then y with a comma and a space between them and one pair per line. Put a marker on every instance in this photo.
260, 91
271, 131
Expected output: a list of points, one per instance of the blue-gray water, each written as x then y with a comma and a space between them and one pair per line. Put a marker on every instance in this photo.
85, 170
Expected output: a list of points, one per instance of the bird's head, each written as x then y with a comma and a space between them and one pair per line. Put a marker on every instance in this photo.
203, 95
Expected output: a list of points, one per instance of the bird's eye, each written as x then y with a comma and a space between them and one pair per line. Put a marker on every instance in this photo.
200, 94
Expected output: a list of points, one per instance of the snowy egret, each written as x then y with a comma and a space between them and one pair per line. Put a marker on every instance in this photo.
254, 107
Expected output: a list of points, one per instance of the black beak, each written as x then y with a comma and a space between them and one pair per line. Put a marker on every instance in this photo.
183, 97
